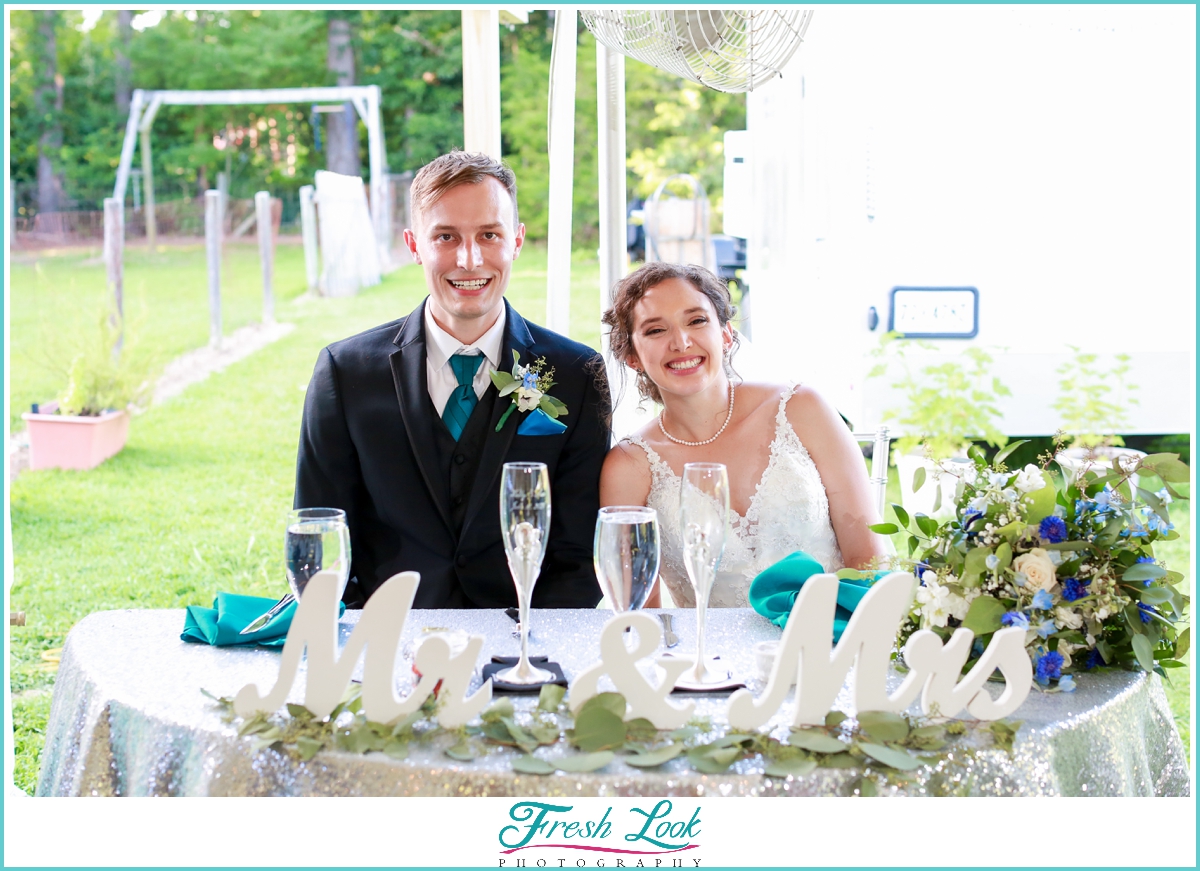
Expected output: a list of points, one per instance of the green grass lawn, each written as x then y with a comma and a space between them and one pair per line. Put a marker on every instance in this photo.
195, 502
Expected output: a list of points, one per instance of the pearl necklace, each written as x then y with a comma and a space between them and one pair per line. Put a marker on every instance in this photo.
728, 418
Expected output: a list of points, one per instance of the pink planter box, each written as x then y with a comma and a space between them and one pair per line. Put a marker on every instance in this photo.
64, 441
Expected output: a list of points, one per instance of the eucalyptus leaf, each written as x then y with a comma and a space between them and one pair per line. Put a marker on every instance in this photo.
710, 760
867, 788
937, 499
834, 718
1155, 595
654, 758
1004, 454
984, 615
884, 528
1004, 554
640, 729
918, 478
1143, 572
1144, 651
495, 730
531, 765
976, 563
581, 764
598, 728
883, 726
840, 760
926, 524
299, 711
614, 702
509, 388
901, 514
462, 751
796, 767
890, 756
816, 741
550, 697
1183, 643
397, 749
502, 707
307, 748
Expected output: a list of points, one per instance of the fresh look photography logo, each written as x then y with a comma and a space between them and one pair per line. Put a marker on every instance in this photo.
642, 837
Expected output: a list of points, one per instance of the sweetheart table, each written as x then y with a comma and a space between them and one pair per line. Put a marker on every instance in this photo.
128, 718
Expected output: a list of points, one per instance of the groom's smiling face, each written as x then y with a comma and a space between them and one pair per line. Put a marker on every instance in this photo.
466, 242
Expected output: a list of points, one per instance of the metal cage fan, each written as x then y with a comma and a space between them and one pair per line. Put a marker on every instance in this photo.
732, 50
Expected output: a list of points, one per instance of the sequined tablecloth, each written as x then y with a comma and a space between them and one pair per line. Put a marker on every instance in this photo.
128, 718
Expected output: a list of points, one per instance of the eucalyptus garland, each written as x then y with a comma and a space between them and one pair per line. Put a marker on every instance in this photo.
884, 747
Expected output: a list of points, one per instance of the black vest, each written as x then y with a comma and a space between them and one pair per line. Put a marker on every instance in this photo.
460, 460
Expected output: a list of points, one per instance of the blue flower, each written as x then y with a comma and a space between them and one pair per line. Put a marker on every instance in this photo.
1066, 683
1015, 618
1164, 495
1053, 529
977, 648
1146, 559
1042, 600
970, 517
1144, 611
1073, 589
992, 561
530, 381
1046, 628
1156, 523
1049, 667
1094, 659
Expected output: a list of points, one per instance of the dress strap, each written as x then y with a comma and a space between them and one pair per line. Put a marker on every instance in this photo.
658, 466
781, 414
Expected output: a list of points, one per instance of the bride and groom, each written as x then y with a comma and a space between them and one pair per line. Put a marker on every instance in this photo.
403, 431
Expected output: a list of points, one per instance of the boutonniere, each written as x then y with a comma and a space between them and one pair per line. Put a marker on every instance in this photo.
528, 386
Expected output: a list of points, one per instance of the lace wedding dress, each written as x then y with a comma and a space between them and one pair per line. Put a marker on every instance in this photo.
789, 511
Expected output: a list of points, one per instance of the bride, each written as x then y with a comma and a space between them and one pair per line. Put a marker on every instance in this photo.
797, 480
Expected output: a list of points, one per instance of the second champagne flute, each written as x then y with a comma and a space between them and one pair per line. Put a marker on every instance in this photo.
703, 520
525, 525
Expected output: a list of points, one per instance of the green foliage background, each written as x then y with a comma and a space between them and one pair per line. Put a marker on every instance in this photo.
414, 56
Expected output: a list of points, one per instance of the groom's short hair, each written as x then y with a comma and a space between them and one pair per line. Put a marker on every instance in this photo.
457, 168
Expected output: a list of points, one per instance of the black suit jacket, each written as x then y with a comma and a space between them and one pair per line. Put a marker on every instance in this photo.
366, 446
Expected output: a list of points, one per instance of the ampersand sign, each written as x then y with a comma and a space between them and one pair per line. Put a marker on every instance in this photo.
644, 699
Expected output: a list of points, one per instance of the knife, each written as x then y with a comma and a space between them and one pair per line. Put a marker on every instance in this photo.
259, 622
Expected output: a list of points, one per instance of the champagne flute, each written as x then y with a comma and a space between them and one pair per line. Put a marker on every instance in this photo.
525, 525
316, 539
704, 519
626, 554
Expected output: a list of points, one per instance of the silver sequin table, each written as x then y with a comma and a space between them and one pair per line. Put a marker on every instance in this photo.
128, 718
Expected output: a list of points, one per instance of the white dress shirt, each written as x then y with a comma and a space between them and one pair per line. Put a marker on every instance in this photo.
440, 346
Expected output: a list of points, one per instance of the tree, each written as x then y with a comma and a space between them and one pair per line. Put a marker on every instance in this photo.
341, 152
48, 102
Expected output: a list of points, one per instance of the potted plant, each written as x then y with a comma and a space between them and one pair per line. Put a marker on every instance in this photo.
89, 422
1093, 403
946, 405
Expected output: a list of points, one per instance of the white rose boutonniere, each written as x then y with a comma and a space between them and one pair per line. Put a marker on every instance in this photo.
528, 386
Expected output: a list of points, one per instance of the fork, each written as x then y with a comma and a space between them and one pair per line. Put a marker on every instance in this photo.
669, 637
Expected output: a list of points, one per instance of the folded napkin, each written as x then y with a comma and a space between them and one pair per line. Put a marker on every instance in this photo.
222, 624
773, 592
538, 423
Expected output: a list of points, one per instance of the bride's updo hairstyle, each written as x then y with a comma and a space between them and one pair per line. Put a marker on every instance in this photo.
633, 287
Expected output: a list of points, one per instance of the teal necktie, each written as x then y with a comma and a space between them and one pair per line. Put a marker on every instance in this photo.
463, 400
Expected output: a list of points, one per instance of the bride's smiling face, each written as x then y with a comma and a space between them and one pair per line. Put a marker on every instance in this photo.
678, 339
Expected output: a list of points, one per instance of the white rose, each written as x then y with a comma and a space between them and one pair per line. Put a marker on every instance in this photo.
1037, 568
1066, 618
1029, 479
528, 398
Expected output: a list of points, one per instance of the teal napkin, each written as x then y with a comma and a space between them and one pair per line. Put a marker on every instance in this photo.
222, 624
773, 592
538, 423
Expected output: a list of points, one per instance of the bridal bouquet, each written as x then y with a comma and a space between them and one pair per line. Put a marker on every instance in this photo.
1071, 563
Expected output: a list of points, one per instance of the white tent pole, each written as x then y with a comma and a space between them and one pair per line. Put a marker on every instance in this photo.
610, 103
381, 207
562, 168
481, 80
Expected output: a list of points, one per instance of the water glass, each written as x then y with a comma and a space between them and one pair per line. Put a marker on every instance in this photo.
625, 553
315, 540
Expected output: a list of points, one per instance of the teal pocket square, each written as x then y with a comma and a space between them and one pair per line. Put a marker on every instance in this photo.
774, 590
538, 423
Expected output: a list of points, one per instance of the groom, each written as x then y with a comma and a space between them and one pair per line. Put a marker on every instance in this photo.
402, 424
